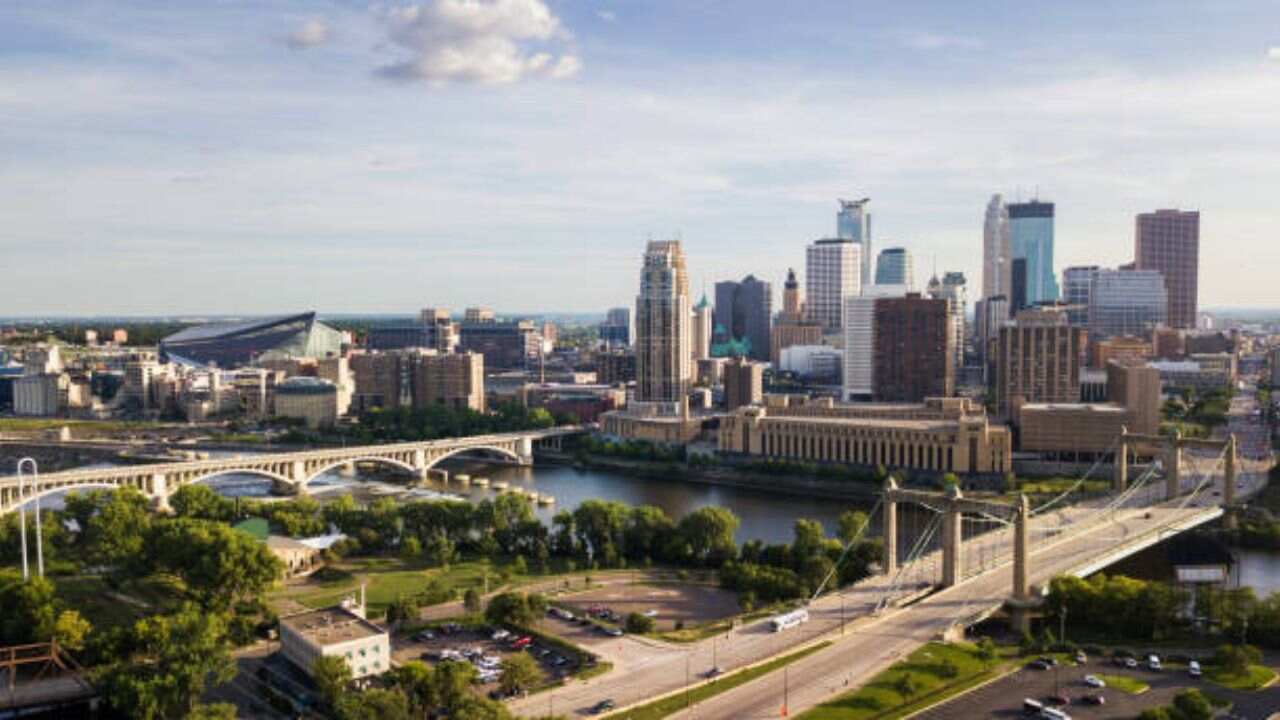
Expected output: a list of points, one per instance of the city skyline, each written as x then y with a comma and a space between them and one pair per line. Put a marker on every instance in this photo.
313, 155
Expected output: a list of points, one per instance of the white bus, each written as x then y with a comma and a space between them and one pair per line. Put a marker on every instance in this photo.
789, 620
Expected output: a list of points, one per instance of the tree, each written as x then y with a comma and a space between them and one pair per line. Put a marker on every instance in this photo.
115, 528
639, 624
471, 600
708, 534
70, 630
1191, 704
519, 672
200, 501
410, 548
218, 564
416, 679
1236, 659
405, 608
332, 675
213, 711
905, 685
27, 608
452, 681
374, 704
986, 650
511, 608
174, 658
850, 524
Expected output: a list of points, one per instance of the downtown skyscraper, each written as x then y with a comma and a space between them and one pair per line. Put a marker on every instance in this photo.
663, 324
895, 267
997, 255
853, 222
1168, 241
832, 274
1031, 238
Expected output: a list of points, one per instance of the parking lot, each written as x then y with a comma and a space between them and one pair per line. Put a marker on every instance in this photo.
484, 649
689, 604
1003, 698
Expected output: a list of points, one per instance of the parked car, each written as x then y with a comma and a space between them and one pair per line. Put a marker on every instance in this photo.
714, 672
1094, 681
1059, 699
1193, 669
501, 635
602, 706
1153, 662
1038, 665
1094, 699
1131, 663
1081, 658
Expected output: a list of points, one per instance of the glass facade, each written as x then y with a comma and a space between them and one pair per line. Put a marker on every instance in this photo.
1031, 237
1127, 302
895, 268
853, 222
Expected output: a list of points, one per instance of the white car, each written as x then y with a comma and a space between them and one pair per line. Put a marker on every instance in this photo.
1094, 681
1193, 669
501, 635
1153, 662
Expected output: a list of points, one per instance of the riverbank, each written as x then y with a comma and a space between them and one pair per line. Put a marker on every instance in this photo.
721, 475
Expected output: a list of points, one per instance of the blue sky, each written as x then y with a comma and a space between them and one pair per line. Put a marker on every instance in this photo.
258, 156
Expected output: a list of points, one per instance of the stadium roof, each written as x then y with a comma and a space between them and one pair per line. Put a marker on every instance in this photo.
210, 331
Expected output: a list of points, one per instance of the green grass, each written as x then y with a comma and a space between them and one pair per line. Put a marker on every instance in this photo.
87, 594
879, 698
390, 578
1256, 678
1125, 684
661, 708
715, 627
33, 424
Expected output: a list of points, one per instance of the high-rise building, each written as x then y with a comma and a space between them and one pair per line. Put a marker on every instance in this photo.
791, 329
859, 371
1031, 237
743, 383
997, 254
1127, 302
663, 360
505, 345
1018, 298
832, 274
1168, 241
894, 267
617, 329
1077, 282
702, 330
953, 289
743, 316
478, 315
913, 353
853, 222
1035, 359
989, 315
455, 381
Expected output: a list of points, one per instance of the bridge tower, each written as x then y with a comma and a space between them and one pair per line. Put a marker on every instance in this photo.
952, 538
890, 523
1173, 466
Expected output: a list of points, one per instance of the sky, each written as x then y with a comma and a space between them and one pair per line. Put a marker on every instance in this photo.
264, 156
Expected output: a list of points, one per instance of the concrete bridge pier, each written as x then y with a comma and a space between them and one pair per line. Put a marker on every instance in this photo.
890, 523
524, 449
952, 537
347, 469
420, 469
1120, 480
158, 490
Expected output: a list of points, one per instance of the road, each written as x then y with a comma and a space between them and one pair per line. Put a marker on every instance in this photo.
1063, 540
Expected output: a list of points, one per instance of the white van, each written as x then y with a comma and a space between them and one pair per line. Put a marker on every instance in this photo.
789, 620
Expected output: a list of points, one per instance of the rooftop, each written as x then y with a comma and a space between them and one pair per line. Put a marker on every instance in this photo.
1110, 408
330, 626
873, 422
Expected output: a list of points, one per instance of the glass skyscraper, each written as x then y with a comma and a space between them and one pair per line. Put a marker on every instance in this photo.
853, 222
894, 267
1031, 237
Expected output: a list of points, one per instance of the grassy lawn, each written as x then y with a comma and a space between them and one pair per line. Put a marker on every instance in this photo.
668, 705
1256, 678
926, 668
718, 627
1125, 684
34, 424
390, 578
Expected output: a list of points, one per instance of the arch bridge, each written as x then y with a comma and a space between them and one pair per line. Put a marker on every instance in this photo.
292, 469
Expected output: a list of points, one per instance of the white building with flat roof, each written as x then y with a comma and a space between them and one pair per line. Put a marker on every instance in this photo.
336, 631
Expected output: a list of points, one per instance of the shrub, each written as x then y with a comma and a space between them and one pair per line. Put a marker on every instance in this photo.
639, 624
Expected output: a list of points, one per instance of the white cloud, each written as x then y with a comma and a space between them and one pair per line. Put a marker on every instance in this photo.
478, 41
312, 33
1274, 53
923, 40
607, 15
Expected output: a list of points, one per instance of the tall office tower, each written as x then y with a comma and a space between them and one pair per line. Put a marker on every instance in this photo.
859, 371
455, 380
743, 316
617, 330
701, 331
1169, 241
792, 304
989, 315
913, 354
953, 289
894, 267
832, 273
1018, 296
1031, 237
853, 222
1127, 302
997, 254
663, 360
791, 328
1035, 359
1077, 281
478, 315
743, 383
